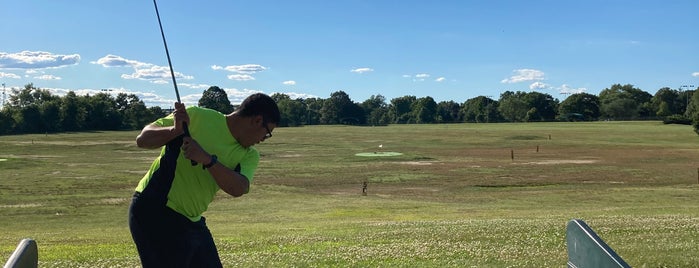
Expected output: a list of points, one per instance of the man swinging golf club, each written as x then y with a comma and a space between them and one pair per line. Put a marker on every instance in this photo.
165, 216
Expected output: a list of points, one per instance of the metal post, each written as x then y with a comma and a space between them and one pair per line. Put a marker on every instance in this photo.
689, 88
3, 96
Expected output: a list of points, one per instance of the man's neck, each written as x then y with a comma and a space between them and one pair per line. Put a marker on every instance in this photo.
233, 120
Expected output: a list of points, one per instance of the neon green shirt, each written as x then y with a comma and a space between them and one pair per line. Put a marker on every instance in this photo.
193, 188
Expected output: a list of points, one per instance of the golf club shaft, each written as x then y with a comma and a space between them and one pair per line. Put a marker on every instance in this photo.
167, 52
172, 71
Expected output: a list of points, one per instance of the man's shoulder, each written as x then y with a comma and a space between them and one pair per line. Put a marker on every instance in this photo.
203, 111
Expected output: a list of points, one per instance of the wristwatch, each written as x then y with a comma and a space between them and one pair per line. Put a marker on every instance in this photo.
213, 162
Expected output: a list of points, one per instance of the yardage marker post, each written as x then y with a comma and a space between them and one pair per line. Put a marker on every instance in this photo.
586, 249
26, 255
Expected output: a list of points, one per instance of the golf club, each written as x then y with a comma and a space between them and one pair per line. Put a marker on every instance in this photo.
172, 71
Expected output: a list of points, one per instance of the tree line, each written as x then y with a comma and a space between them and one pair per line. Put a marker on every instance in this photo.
35, 110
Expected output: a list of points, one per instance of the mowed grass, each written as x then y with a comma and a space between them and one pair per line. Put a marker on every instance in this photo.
461, 195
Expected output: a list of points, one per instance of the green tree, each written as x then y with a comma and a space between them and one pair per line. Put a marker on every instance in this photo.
155, 113
7, 123
277, 97
542, 107
33, 109
28, 118
101, 112
339, 108
664, 110
583, 104
684, 98
513, 106
425, 110
353, 114
448, 112
216, 98
293, 112
72, 113
693, 112
625, 102
136, 115
329, 112
313, 109
480, 109
376, 110
666, 102
50, 115
400, 109
133, 111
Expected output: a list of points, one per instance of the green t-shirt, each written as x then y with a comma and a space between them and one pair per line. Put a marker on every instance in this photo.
193, 188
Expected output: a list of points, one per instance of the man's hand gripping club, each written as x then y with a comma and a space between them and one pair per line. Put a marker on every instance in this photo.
192, 150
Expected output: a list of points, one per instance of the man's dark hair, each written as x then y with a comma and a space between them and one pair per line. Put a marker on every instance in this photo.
260, 104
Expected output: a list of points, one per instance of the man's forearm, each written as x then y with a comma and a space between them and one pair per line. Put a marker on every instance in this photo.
231, 182
153, 136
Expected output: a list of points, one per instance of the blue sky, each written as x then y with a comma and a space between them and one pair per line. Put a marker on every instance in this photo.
449, 50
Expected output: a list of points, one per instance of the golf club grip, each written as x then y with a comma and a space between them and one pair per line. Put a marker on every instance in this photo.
186, 134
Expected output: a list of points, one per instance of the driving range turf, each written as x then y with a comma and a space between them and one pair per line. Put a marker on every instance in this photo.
459, 195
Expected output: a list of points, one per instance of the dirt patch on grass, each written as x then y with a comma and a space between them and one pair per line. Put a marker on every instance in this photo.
415, 163
561, 161
72, 143
290, 155
27, 205
113, 201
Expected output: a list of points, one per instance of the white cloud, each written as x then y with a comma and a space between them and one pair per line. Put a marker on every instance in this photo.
194, 86
117, 61
242, 72
240, 77
36, 60
9, 75
538, 85
289, 83
236, 96
362, 70
523, 75
241, 69
154, 72
566, 89
141, 70
695, 74
47, 77
295, 95
421, 77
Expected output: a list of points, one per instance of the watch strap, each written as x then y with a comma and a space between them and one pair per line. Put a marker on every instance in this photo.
214, 160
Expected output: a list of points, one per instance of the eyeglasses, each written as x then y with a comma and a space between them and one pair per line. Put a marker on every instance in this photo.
269, 133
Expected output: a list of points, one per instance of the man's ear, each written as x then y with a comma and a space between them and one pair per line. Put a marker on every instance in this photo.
257, 120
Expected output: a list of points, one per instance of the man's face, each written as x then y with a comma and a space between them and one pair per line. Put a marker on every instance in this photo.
261, 130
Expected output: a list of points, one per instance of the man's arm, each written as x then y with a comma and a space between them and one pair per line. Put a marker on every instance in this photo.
230, 181
153, 136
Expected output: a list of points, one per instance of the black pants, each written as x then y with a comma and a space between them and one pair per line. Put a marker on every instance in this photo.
165, 238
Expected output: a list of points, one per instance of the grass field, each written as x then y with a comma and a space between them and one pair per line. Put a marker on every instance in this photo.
460, 195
